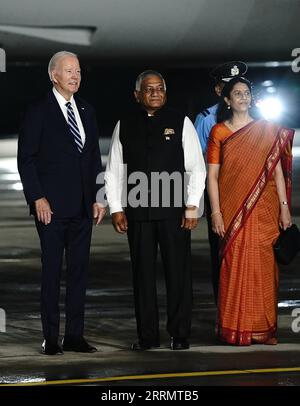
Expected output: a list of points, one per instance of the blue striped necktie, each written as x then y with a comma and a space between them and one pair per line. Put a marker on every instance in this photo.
74, 127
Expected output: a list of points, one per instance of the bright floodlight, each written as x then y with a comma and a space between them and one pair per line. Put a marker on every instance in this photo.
270, 107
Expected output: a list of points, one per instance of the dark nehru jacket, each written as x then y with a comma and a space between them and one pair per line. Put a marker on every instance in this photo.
153, 144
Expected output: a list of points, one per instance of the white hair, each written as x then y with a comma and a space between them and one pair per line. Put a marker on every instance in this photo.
144, 75
55, 58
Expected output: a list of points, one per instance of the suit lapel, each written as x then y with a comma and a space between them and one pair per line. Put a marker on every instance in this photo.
62, 123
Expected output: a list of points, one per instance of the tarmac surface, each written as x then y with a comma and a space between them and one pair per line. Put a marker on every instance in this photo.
110, 322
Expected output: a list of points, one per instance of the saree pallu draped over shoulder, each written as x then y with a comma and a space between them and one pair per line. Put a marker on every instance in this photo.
247, 305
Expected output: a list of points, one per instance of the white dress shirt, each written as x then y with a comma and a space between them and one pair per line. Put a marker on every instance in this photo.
193, 162
62, 104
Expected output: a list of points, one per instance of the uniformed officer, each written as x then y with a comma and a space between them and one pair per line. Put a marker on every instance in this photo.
204, 123
208, 117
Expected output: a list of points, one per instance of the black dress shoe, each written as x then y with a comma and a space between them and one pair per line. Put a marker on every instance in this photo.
179, 344
50, 348
142, 346
78, 345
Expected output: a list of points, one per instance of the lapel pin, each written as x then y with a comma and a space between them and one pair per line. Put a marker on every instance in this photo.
168, 132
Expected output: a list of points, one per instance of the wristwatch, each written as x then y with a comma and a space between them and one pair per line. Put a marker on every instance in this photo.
284, 203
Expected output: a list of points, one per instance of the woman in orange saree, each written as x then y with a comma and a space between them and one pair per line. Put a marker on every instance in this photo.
249, 184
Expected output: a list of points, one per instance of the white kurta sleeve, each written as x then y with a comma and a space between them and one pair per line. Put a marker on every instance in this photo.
114, 173
194, 164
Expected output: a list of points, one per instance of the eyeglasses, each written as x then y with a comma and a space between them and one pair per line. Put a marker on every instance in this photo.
239, 95
150, 90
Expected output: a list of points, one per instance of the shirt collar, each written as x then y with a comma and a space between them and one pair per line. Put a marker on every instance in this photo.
213, 109
157, 113
60, 98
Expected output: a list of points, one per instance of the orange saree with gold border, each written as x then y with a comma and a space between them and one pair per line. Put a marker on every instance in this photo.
247, 305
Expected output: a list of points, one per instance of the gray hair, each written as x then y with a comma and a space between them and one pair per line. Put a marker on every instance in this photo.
144, 75
55, 58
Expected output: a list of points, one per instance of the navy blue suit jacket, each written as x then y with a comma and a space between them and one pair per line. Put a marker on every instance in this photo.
49, 162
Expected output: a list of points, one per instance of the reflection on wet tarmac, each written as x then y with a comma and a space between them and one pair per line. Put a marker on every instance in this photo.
289, 303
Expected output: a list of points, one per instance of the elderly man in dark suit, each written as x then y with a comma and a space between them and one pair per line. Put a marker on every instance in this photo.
59, 160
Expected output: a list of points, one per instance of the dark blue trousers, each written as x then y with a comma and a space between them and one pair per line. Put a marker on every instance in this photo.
214, 244
72, 237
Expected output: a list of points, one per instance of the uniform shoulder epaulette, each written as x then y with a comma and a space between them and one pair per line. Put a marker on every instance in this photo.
205, 112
